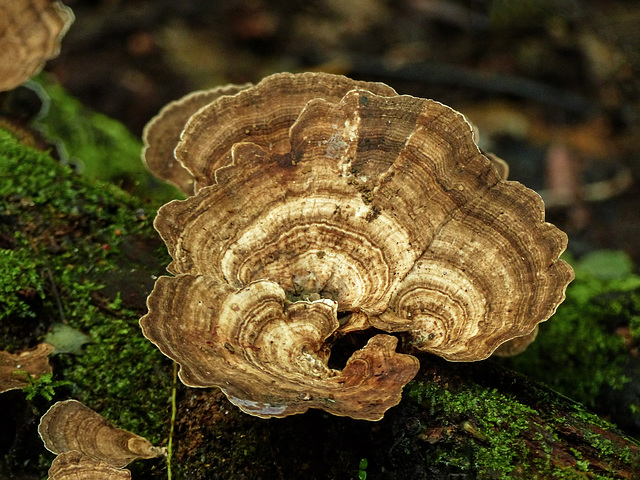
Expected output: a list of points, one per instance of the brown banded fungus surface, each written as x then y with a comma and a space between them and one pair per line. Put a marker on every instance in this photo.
162, 134
15, 369
30, 34
74, 465
70, 426
322, 206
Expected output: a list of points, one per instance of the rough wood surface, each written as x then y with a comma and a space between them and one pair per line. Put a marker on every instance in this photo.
456, 421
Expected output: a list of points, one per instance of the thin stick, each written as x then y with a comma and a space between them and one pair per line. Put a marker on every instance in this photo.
173, 419
56, 295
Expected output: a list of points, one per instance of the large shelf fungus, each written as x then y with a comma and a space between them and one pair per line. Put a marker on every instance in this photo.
321, 206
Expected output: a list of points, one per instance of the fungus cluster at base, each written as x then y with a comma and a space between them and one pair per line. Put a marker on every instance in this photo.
88, 446
320, 206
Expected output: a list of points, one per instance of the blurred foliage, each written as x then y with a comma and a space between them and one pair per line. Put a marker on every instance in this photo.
510, 14
66, 339
99, 147
606, 265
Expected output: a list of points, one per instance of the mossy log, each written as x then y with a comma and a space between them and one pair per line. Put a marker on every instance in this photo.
89, 254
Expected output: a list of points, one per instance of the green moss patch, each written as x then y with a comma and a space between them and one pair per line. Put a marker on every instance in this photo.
486, 433
100, 147
83, 255
582, 350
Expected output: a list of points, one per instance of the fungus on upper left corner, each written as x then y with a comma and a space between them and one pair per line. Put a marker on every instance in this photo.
30, 34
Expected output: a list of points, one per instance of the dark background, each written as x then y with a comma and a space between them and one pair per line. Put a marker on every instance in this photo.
552, 84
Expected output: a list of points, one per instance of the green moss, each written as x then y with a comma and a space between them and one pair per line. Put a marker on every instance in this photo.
577, 351
31, 179
596, 436
65, 236
102, 148
43, 386
123, 373
495, 428
19, 280
489, 434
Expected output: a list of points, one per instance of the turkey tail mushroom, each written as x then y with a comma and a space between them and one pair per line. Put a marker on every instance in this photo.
268, 355
162, 134
71, 426
16, 368
323, 206
74, 465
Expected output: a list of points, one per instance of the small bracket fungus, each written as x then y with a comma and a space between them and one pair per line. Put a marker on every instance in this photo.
71, 426
321, 206
30, 34
14, 367
77, 466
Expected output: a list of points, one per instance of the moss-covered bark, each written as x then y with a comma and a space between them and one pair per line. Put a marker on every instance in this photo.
589, 350
89, 254
80, 255
455, 421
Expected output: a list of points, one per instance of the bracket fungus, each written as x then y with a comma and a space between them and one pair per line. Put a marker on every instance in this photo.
162, 134
321, 206
70, 426
74, 465
30, 34
14, 367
